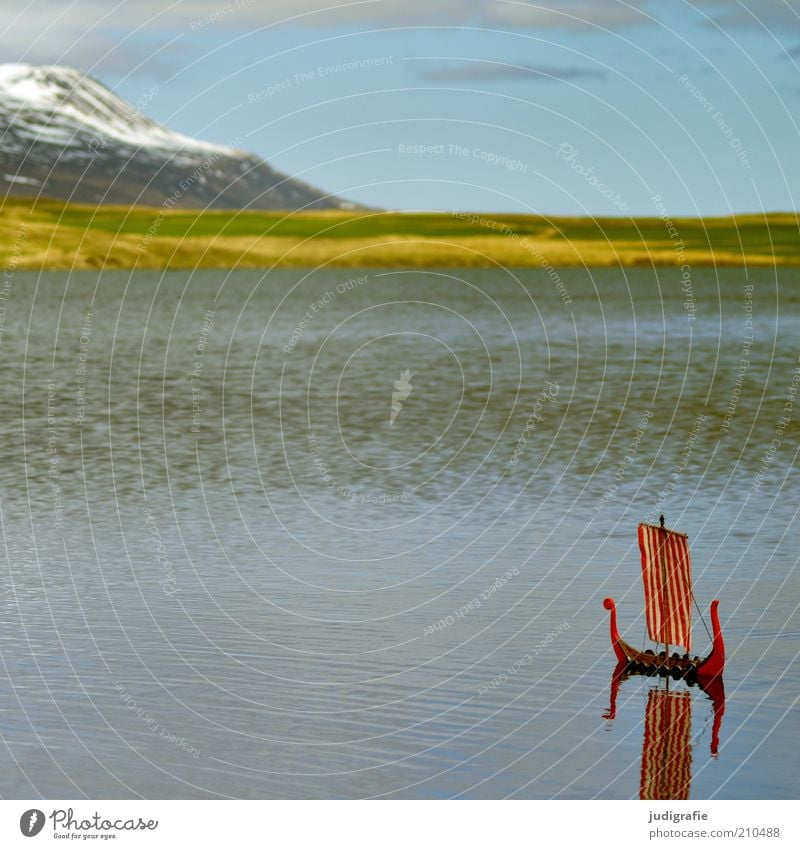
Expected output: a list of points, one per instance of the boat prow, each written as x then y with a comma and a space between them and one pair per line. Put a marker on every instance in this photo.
712, 667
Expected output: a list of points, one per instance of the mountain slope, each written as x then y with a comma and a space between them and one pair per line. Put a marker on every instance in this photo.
64, 135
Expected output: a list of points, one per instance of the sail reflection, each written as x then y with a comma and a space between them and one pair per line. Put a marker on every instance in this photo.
667, 748
666, 771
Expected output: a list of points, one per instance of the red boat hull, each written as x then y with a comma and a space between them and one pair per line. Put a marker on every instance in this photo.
703, 670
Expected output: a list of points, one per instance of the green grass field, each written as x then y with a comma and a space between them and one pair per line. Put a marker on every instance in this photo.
54, 235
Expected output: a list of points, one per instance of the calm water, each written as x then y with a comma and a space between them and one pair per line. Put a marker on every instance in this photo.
227, 573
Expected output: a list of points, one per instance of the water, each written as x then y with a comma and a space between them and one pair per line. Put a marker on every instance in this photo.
225, 573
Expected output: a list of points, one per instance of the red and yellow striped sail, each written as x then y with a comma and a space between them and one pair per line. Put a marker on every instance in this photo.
667, 750
667, 575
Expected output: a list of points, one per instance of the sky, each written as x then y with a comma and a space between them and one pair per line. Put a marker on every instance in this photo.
559, 107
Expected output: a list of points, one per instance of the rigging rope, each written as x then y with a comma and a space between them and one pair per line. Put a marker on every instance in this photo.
700, 612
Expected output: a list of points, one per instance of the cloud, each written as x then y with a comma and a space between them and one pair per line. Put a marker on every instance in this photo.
114, 36
85, 36
104, 54
484, 71
568, 14
128, 36
75, 17
751, 14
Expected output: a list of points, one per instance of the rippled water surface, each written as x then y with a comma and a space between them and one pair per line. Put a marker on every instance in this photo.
226, 571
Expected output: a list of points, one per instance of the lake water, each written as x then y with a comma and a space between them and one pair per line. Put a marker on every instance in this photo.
233, 565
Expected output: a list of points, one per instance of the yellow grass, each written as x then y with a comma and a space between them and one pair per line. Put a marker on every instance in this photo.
53, 235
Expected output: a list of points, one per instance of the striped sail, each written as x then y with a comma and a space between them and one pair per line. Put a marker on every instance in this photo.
667, 575
667, 749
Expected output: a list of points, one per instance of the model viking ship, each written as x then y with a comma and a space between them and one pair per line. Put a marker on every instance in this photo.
667, 576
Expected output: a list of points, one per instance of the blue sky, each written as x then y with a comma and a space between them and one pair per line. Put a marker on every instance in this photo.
563, 107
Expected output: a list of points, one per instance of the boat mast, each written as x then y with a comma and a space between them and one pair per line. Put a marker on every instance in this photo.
663, 584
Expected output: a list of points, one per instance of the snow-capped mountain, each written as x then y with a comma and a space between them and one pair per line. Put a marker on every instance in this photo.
64, 135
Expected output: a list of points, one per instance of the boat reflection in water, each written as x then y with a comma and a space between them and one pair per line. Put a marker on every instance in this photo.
667, 747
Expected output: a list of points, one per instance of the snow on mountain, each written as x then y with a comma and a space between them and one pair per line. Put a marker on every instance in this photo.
65, 135
73, 104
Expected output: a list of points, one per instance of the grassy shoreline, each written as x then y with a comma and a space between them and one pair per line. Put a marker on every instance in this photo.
51, 235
